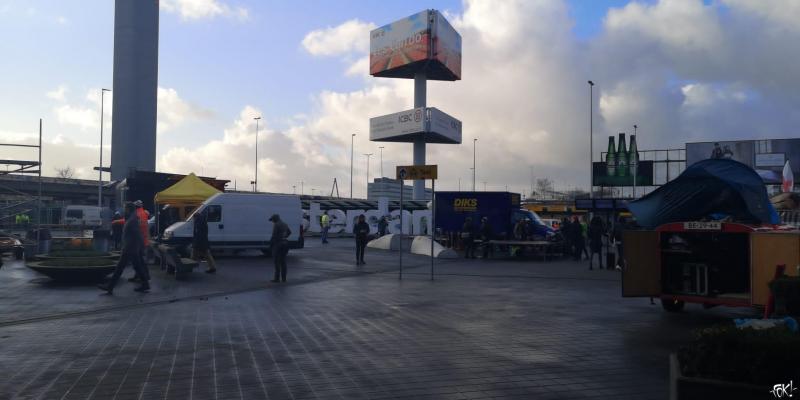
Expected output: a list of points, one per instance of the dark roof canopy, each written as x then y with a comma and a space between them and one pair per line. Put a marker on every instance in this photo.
706, 188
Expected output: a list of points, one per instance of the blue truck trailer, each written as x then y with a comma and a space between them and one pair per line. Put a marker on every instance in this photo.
503, 209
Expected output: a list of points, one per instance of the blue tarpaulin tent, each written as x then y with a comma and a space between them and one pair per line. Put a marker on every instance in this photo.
705, 189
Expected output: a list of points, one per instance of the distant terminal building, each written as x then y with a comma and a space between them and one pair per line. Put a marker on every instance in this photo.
390, 189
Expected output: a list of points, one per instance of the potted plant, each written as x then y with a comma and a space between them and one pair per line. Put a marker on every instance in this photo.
726, 362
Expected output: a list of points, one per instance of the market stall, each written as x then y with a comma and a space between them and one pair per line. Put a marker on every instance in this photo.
710, 236
177, 202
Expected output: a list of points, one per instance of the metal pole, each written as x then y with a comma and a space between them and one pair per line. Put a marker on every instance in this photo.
381, 147
591, 136
368, 156
100, 170
401, 230
433, 220
352, 140
637, 163
420, 90
39, 198
474, 140
301, 188
255, 181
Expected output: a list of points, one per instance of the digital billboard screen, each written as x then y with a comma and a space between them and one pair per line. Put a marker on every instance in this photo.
400, 43
447, 45
423, 42
767, 157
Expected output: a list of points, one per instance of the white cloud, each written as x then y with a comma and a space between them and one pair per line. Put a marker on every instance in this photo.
780, 14
58, 93
174, 111
203, 9
349, 37
84, 118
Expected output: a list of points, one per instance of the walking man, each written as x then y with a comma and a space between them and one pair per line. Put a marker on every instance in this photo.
325, 221
200, 246
132, 245
486, 236
361, 231
468, 237
280, 246
596, 233
382, 225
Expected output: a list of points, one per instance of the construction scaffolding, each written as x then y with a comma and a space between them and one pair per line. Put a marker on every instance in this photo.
14, 202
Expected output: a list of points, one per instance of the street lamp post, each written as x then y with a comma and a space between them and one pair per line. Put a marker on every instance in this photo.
368, 156
352, 140
474, 141
635, 170
100, 170
255, 181
302, 189
381, 147
591, 165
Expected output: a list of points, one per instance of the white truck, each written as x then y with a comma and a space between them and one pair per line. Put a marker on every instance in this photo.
239, 221
87, 216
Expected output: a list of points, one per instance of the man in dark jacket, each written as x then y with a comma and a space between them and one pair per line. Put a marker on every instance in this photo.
361, 231
382, 225
132, 247
280, 246
486, 236
116, 229
200, 246
468, 237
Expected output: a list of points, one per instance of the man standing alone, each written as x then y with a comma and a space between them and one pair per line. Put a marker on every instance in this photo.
325, 221
132, 245
200, 245
280, 246
361, 230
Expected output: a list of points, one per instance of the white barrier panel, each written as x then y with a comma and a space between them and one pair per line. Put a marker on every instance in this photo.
416, 223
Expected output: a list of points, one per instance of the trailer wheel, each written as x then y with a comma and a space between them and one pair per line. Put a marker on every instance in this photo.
672, 305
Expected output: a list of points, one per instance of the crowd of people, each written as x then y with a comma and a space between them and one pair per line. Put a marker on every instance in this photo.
597, 234
582, 240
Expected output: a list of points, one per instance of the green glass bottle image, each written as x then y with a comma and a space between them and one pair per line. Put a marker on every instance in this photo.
633, 159
611, 158
622, 157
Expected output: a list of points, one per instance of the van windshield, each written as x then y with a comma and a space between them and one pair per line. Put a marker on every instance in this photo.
198, 209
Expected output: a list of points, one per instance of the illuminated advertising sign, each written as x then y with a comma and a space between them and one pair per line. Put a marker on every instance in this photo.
423, 42
405, 126
400, 43
447, 45
397, 124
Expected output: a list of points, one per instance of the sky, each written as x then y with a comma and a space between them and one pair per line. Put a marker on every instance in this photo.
682, 70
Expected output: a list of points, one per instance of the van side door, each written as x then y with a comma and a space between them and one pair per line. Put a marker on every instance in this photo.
216, 224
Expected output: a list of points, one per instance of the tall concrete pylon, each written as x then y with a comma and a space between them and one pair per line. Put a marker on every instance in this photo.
133, 140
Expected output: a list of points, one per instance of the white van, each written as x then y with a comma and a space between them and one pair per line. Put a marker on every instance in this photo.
83, 216
241, 221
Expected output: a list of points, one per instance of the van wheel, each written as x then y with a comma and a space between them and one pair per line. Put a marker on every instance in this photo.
672, 305
267, 252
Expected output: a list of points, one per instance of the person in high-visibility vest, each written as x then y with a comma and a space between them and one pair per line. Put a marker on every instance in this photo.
143, 216
325, 221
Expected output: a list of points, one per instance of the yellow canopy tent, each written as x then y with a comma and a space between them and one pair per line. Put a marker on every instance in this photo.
183, 197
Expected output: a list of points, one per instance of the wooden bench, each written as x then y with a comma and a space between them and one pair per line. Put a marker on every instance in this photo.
173, 263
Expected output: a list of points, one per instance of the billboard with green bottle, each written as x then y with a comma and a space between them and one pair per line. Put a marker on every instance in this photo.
622, 165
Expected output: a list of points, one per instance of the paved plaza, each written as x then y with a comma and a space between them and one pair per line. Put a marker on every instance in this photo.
482, 329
